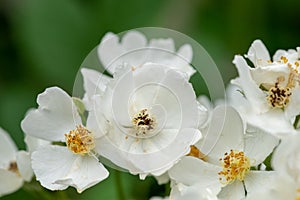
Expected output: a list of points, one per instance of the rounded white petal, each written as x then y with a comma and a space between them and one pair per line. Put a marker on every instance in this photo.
186, 52
10, 182
34, 143
293, 108
225, 133
258, 52
269, 74
8, 149
258, 144
96, 121
24, 165
286, 157
133, 40
55, 116
279, 188
93, 83
191, 171
86, 172
256, 180
52, 163
233, 191
251, 90
109, 49
195, 192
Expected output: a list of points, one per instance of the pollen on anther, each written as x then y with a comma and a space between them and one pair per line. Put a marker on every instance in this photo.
80, 140
235, 166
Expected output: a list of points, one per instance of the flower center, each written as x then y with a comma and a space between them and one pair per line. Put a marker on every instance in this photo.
235, 166
278, 97
80, 140
143, 122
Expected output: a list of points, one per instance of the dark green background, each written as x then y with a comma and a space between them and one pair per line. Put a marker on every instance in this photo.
43, 43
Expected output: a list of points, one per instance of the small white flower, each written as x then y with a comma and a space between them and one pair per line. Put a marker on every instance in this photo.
271, 89
15, 165
225, 171
153, 115
57, 120
135, 50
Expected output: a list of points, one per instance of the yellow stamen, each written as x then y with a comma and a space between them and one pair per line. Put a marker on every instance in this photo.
235, 166
80, 141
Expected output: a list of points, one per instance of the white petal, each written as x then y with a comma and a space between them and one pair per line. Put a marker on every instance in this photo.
186, 52
286, 157
279, 188
273, 121
233, 191
85, 172
52, 163
162, 179
96, 121
93, 83
258, 52
122, 88
55, 116
34, 143
195, 192
24, 165
293, 108
258, 144
8, 149
133, 40
269, 74
190, 171
108, 50
179, 88
225, 133
256, 180
164, 44
10, 182
251, 90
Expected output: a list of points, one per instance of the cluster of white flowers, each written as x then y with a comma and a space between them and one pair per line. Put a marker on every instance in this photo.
144, 118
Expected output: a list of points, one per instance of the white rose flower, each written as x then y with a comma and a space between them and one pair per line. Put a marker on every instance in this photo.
226, 170
153, 114
57, 120
271, 89
15, 165
134, 49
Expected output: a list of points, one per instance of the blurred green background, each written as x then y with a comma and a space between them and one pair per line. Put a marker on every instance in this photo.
43, 43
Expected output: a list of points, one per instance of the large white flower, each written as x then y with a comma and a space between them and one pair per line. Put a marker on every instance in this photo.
286, 162
153, 114
271, 89
134, 49
57, 120
15, 165
225, 171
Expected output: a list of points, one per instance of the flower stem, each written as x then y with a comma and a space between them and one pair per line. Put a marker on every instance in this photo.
119, 185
